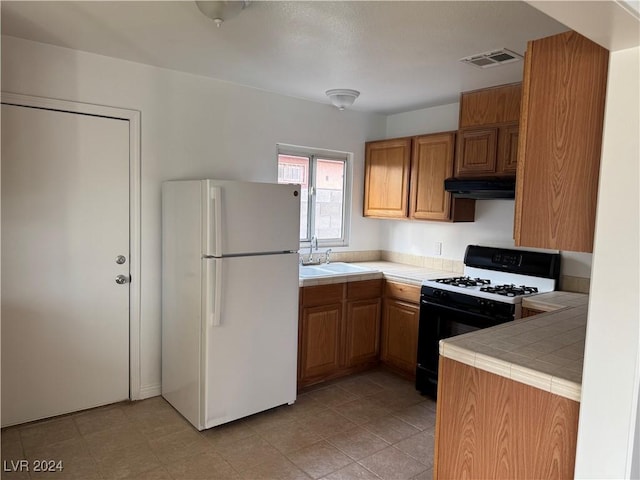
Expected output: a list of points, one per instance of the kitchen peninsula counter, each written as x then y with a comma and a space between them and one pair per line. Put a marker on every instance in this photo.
544, 351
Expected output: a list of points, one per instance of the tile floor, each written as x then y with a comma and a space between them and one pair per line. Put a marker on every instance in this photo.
368, 426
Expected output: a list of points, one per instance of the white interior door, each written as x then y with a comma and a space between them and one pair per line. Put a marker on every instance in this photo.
65, 219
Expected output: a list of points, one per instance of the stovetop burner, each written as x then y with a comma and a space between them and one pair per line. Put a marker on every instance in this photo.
464, 281
498, 275
509, 290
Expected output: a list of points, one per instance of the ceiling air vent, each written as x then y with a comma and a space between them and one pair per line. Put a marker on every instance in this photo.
492, 58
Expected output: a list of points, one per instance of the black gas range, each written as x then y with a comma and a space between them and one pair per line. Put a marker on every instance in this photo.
489, 293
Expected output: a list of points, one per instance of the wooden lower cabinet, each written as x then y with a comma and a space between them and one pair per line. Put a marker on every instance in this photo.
362, 332
320, 340
400, 319
338, 330
493, 427
400, 334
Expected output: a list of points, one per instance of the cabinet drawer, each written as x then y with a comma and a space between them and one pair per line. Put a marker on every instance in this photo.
402, 291
364, 289
322, 294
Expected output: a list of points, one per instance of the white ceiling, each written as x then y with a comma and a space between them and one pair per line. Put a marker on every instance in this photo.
401, 56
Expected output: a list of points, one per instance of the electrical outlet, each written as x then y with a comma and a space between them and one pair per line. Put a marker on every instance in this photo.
437, 249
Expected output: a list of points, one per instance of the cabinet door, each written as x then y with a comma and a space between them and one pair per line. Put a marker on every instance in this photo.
400, 335
476, 152
432, 163
320, 340
507, 150
489, 426
386, 178
363, 331
493, 105
563, 102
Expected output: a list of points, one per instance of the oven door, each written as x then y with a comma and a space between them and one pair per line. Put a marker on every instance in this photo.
439, 321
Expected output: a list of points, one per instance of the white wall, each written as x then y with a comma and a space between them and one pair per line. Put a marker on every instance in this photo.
611, 375
191, 127
442, 118
494, 218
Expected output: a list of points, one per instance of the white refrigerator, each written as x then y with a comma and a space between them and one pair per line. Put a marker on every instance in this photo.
229, 298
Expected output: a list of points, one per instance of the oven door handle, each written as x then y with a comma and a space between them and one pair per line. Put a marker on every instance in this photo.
459, 310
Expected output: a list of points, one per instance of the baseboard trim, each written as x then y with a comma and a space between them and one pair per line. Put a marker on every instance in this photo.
149, 391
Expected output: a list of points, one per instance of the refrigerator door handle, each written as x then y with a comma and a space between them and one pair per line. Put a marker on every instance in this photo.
213, 295
217, 294
214, 222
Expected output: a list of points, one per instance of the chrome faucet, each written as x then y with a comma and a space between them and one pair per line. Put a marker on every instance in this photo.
326, 255
313, 243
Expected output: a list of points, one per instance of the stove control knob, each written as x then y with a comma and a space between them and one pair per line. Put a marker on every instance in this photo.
481, 302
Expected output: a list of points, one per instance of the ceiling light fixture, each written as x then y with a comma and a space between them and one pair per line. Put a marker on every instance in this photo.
220, 11
342, 97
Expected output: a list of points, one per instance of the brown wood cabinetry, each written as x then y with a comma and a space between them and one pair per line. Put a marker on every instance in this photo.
432, 163
560, 142
492, 427
339, 330
320, 340
488, 135
404, 178
386, 186
363, 332
400, 318
490, 106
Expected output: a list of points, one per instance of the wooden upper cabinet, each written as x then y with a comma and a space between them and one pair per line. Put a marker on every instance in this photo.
560, 142
404, 178
432, 164
386, 186
488, 135
507, 161
477, 152
490, 106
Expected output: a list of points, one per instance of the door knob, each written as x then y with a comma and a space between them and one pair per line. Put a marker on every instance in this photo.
122, 279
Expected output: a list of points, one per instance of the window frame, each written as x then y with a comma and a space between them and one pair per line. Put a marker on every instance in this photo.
313, 154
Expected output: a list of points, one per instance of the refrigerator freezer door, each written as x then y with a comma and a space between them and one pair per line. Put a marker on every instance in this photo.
250, 353
243, 218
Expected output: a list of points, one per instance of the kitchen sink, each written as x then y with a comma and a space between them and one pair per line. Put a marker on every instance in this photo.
311, 271
332, 270
340, 267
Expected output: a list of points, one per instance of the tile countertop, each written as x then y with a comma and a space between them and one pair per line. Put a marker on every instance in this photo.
399, 272
544, 351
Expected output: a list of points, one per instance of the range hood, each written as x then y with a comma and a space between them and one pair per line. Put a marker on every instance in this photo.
481, 188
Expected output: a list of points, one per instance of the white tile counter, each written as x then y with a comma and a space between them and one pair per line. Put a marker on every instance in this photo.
398, 272
548, 302
544, 351
411, 274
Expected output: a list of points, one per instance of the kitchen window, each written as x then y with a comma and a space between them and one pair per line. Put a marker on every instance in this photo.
325, 201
